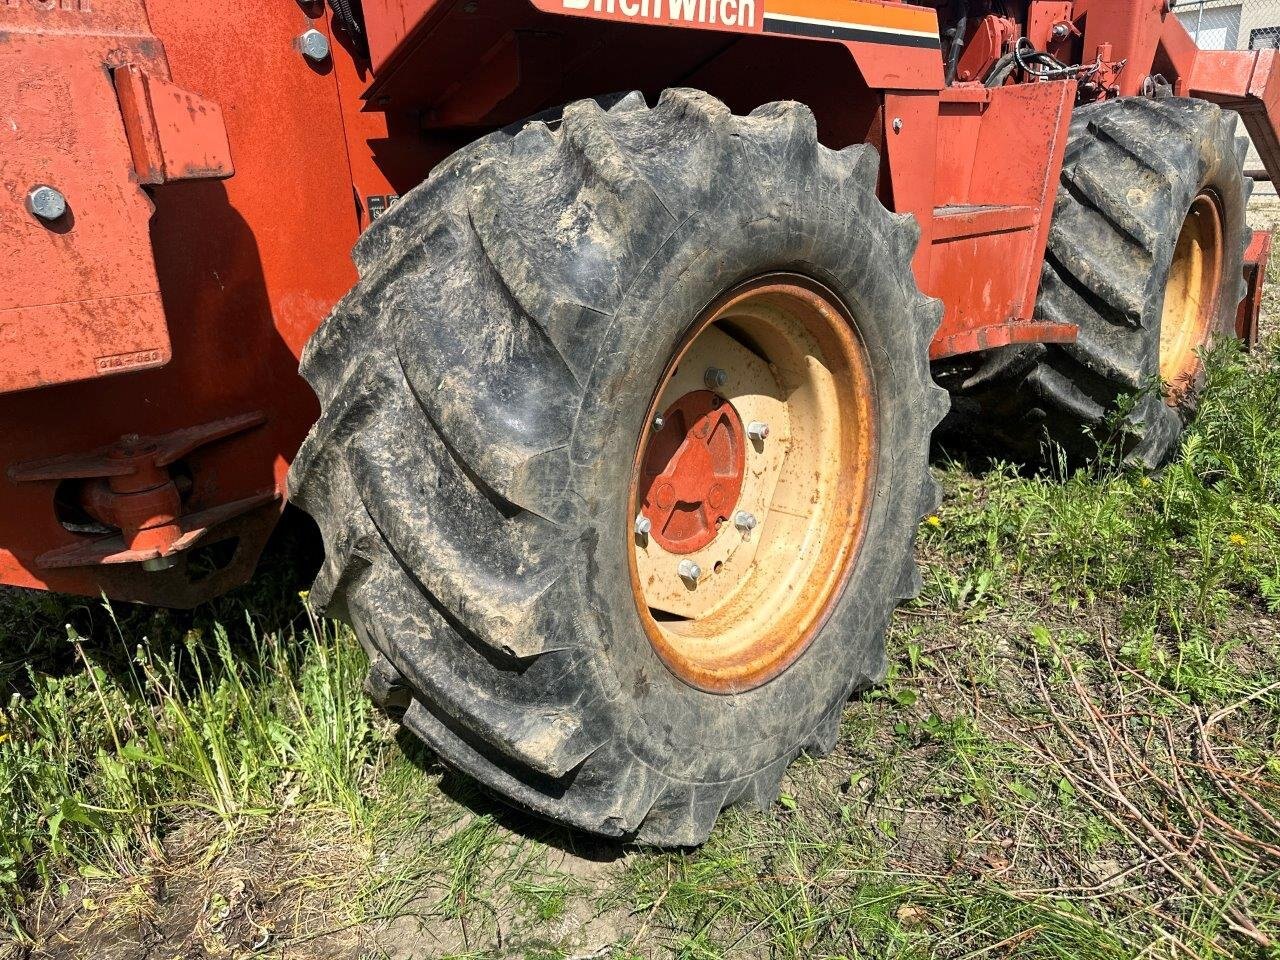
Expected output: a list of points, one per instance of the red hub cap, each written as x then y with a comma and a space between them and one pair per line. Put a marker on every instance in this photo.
692, 471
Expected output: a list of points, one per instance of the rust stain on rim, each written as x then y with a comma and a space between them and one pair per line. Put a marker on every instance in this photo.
1191, 296
790, 343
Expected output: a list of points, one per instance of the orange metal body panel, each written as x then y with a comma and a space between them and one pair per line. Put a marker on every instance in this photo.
1256, 258
201, 292
79, 297
999, 155
245, 268
1250, 85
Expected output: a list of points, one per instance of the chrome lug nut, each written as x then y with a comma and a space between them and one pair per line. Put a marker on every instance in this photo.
715, 378
658, 422
746, 522
757, 430
314, 45
46, 203
690, 571
643, 526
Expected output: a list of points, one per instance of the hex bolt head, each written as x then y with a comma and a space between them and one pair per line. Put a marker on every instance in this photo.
314, 45
643, 525
715, 378
746, 522
46, 203
757, 430
658, 422
1060, 31
690, 571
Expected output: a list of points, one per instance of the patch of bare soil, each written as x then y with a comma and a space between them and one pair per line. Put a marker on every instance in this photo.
497, 914
273, 889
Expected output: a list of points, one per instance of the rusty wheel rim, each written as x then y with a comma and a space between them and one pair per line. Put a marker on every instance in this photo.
1191, 296
771, 523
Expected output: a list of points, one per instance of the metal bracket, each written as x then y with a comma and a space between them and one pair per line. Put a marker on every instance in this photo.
173, 134
129, 487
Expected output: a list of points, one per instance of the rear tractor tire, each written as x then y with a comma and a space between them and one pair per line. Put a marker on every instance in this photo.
1145, 253
623, 449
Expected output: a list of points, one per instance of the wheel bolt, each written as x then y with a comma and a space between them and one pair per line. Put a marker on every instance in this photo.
715, 378
746, 522
314, 46
690, 571
757, 430
643, 526
658, 422
46, 203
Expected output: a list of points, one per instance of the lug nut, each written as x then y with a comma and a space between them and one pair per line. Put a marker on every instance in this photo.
314, 45
643, 526
46, 203
690, 571
757, 430
715, 378
746, 522
658, 422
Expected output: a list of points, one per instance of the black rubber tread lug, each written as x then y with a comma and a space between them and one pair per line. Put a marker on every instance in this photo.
385, 686
1116, 298
1146, 155
495, 581
826, 734
383, 240
506, 403
614, 214
495, 704
1119, 211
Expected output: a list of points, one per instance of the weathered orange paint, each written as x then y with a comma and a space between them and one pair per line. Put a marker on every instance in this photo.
217, 180
1256, 258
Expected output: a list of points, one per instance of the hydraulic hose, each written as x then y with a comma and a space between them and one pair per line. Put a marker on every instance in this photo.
957, 42
349, 16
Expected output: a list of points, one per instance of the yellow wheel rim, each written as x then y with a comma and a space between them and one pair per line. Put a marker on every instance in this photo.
732, 580
1191, 297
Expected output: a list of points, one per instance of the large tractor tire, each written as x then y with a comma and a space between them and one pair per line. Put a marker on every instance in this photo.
1145, 254
576, 360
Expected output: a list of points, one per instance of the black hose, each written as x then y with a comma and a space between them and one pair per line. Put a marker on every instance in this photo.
1002, 70
349, 16
957, 42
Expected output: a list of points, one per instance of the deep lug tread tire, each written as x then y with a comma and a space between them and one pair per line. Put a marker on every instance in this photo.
1132, 169
482, 388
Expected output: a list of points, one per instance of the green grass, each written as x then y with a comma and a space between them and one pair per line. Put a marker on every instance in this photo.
1074, 756
100, 760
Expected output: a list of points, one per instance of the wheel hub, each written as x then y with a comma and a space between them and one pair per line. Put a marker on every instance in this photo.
692, 473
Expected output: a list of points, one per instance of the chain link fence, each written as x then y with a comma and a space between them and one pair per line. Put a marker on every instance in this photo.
1234, 25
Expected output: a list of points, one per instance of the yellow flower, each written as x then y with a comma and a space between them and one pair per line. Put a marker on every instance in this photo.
1238, 540
1146, 481
933, 521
